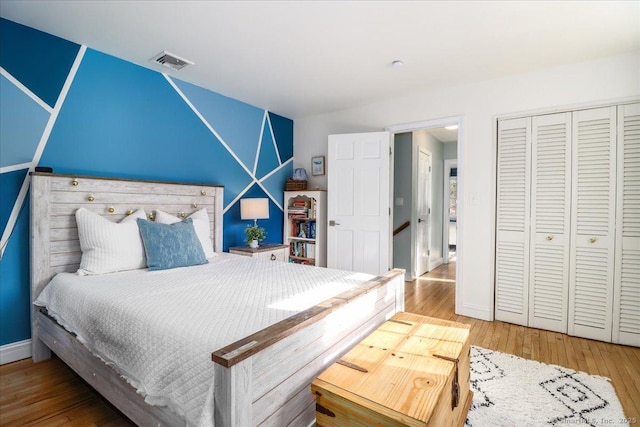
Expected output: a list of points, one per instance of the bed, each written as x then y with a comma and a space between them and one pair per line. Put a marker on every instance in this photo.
261, 378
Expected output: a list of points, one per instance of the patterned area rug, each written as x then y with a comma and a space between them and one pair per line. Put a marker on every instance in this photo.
511, 391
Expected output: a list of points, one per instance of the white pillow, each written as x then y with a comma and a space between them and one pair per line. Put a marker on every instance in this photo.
200, 223
109, 246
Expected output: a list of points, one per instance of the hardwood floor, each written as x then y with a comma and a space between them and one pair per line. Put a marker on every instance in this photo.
433, 295
50, 394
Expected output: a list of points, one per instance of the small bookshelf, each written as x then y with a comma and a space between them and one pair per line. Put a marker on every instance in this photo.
305, 232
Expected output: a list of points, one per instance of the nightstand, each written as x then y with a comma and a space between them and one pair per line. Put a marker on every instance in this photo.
271, 251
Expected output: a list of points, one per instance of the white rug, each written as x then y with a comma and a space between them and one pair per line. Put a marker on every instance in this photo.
511, 391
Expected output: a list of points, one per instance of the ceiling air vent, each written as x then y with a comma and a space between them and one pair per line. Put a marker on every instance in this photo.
170, 60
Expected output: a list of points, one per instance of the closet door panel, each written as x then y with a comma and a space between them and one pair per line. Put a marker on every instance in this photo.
512, 225
550, 221
626, 314
592, 223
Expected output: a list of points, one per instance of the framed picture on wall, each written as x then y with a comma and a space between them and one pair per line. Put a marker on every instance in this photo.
317, 165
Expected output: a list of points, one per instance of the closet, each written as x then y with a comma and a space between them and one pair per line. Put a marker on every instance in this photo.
568, 223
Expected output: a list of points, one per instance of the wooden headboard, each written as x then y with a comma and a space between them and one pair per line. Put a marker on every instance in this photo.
55, 198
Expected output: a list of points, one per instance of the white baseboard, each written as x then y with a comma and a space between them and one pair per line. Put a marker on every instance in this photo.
436, 263
15, 351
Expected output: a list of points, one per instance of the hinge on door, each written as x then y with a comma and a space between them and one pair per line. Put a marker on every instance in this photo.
389, 211
429, 252
389, 150
429, 168
429, 211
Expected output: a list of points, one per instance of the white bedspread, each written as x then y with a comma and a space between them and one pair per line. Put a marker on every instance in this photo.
159, 328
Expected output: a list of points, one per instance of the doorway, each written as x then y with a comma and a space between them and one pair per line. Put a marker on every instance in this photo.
442, 138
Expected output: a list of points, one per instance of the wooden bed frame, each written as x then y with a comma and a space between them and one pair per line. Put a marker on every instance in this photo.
262, 379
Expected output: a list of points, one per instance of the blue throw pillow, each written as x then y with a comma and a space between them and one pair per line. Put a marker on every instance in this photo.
171, 245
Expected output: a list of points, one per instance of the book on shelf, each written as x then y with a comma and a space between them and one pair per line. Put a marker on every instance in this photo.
303, 208
303, 229
302, 249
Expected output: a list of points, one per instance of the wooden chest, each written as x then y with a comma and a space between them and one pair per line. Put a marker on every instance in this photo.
403, 374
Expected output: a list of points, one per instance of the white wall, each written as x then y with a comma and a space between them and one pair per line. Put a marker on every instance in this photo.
605, 79
450, 150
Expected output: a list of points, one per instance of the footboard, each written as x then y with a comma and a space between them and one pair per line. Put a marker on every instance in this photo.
264, 378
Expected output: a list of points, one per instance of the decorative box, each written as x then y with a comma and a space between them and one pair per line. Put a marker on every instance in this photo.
295, 185
411, 371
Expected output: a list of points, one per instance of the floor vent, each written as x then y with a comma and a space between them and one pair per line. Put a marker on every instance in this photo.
170, 60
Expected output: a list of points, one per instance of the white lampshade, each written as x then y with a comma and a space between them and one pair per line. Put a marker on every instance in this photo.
254, 208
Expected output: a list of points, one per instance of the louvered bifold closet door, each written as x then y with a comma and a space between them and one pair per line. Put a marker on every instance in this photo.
512, 227
626, 313
592, 223
550, 226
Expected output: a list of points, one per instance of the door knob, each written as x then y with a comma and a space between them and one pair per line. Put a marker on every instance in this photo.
421, 220
332, 223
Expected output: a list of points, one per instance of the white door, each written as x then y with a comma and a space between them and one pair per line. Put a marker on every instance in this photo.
550, 226
423, 213
592, 223
512, 234
626, 314
358, 202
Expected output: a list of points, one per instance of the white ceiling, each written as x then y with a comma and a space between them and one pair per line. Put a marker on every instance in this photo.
297, 58
444, 135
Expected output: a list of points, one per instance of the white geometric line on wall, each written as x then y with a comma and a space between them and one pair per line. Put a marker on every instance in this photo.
267, 176
273, 138
242, 193
276, 169
257, 156
238, 197
13, 217
208, 125
270, 196
224, 144
26, 90
13, 168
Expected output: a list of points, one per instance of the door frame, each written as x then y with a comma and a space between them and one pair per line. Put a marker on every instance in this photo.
448, 165
431, 124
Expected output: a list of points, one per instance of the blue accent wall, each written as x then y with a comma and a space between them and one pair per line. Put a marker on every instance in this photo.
38, 60
122, 120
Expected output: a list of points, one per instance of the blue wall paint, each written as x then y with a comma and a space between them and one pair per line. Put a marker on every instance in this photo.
273, 226
123, 120
15, 323
283, 129
10, 184
22, 120
38, 60
268, 160
275, 181
237, 123
139, 127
